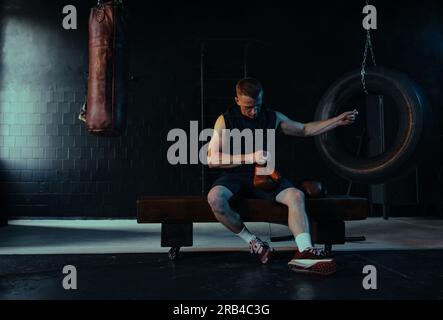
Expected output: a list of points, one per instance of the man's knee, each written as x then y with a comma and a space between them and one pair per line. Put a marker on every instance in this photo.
299, 197
293, 197
218, 200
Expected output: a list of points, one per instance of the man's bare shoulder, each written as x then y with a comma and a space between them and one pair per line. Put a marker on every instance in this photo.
220, 123
280, 115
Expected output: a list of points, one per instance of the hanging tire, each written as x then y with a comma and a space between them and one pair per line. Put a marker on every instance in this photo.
399, 155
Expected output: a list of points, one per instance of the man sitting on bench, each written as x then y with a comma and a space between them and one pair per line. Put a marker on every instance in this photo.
239, 177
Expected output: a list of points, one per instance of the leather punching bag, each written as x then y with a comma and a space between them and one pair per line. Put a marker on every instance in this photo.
106, 101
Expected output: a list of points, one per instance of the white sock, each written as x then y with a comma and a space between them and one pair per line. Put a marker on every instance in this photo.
303, 241
246, 235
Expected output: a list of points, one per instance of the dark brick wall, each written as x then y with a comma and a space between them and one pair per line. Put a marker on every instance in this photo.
50, 166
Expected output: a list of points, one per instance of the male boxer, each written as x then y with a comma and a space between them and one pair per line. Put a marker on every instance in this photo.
238, 176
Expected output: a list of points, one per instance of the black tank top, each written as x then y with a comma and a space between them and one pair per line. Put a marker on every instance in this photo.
234, 119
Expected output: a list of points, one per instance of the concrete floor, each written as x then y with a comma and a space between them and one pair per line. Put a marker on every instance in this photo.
126, 236
119, 259
221, 275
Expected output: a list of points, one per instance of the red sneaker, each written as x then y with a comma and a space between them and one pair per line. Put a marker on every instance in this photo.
312, 261
261, 249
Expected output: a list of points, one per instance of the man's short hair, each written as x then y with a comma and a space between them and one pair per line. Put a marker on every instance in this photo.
250, 87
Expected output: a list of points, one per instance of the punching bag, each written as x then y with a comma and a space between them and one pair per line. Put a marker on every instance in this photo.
107, 80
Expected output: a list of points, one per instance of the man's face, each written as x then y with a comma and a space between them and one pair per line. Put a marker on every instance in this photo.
249, 107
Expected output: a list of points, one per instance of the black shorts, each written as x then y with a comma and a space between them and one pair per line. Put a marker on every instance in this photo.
241, 184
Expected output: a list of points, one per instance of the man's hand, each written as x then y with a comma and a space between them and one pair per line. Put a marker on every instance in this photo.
347, 118
261, 157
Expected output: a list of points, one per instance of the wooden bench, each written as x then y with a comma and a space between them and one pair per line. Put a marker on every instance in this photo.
177, 214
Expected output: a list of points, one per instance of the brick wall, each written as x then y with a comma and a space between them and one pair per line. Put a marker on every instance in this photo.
50, 165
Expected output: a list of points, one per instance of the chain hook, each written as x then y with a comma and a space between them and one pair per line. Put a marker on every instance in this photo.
100, 3
368, 45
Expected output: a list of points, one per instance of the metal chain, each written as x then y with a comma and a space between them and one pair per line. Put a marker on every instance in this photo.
101, 3
368, 45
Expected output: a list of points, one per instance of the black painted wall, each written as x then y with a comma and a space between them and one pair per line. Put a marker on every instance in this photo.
50, 166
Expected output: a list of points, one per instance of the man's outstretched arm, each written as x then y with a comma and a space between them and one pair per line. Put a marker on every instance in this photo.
294, 128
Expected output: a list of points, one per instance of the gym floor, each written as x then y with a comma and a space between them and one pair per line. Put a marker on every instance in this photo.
120, 259
87, 132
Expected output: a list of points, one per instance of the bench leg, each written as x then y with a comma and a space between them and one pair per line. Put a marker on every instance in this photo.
328, 249
173, 253
328, 232
3, 221
176, 235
